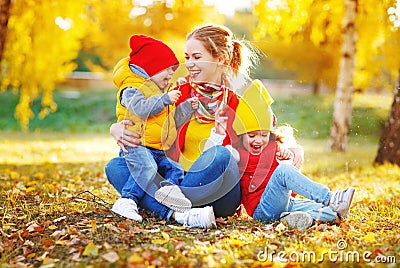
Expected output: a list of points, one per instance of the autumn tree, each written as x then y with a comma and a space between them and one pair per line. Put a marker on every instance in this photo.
301, 36
44, 37
42, 40
5, 6
306, 37
389, 146
342, 107
164, 20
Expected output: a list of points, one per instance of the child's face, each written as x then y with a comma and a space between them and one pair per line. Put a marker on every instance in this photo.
162, 78
255, 142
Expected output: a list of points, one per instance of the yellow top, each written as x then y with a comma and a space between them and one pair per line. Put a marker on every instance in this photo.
194, 145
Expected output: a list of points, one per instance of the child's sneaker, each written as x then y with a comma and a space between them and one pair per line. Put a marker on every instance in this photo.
127, 207
341, 200
197, 217
172, 197
298, 219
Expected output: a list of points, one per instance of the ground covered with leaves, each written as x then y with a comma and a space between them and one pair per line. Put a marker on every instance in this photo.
55, 213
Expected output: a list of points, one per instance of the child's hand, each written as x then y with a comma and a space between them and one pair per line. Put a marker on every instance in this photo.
284, 153
194, 102
220, 121
174, 95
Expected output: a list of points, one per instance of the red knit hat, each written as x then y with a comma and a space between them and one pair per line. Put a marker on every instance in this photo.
151, 54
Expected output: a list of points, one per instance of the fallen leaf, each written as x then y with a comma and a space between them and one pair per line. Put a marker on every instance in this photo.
161, 241
111, 256
235, 243
60, 219
47, 242
91, 250
134, 260
369, 237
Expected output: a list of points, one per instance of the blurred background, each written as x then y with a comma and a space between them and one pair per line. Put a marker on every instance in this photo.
57, 56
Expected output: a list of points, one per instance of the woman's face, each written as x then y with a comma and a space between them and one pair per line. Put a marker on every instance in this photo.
255, 142
202, 66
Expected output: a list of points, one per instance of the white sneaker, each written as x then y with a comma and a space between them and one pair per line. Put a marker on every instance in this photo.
298, 219
127, 208
197, 217
172, 197
341, 200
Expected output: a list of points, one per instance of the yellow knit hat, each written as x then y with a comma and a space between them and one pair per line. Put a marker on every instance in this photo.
254, 110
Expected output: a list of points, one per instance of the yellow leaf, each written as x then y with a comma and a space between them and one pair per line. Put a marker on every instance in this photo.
236, 243
163, 240
135, 259
94, 225
38, 175
30, 189
369, 237
90, 250
14, 175
61, 242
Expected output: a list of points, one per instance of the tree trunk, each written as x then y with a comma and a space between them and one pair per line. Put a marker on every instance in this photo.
342, 109
316, 89
5, 7
389, 145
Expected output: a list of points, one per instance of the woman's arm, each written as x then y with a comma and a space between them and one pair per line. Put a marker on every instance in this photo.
123, 136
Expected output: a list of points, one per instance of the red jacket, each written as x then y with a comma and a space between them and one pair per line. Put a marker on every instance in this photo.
255, 170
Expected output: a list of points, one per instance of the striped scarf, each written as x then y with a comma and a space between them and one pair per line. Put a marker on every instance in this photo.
212, 97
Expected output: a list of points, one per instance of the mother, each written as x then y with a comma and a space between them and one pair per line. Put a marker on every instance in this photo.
211, 181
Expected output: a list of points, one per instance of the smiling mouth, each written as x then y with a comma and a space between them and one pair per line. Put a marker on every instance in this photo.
194, 72
256, 148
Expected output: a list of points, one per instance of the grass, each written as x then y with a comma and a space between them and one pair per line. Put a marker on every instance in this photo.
84, 111
43, 224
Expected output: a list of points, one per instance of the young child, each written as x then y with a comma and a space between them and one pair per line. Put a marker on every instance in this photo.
266, 184
143, 99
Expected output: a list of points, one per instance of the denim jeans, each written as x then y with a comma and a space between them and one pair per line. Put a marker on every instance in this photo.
212, 180
145, 164
277, 196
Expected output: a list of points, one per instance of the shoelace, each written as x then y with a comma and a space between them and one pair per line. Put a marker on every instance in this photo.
337, 197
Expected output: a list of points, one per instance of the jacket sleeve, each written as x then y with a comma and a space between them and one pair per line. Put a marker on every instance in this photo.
141, 106
218, 139
183, 112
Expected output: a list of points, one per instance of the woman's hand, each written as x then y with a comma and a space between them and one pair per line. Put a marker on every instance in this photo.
220, 121
123, 136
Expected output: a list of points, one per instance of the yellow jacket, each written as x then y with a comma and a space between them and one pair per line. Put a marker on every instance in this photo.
157, 131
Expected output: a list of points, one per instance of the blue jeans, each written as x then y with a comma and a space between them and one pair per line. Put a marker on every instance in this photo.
212, 180
277, 196
145, 164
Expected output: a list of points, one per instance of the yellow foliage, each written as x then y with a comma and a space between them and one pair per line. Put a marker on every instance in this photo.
305, 36
115, 21
43, 39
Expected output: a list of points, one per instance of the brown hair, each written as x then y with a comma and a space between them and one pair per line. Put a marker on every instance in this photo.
220, 42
